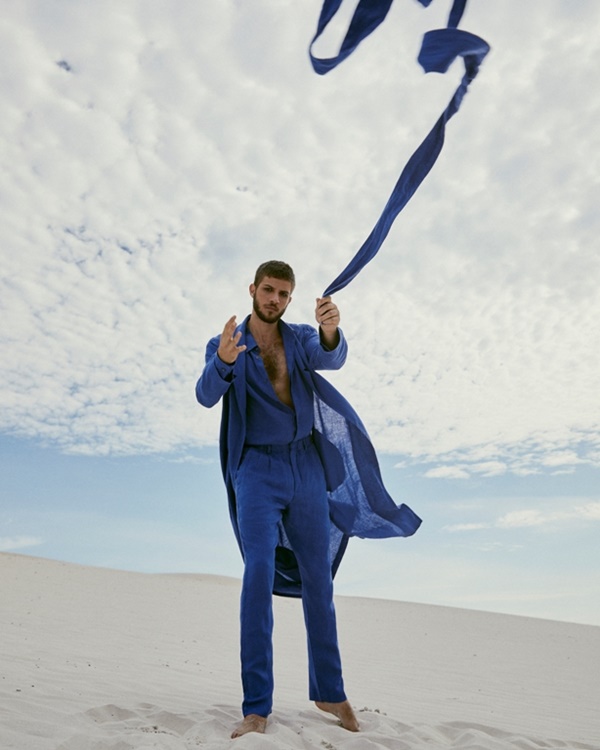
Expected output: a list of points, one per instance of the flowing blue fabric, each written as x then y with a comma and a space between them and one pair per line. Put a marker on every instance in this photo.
439, 49
359, 504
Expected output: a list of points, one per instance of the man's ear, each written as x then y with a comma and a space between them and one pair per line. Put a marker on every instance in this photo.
252, 289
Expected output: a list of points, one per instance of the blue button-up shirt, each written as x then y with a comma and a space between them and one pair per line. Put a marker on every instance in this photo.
268, 420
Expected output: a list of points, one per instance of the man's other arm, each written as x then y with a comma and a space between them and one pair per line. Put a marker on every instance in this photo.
221, 355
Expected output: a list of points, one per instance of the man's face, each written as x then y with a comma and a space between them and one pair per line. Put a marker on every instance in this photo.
270, 298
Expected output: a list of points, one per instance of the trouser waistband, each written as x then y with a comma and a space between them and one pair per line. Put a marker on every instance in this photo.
282, 448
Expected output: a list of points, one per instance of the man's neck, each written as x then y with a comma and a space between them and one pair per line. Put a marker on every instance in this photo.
263, 333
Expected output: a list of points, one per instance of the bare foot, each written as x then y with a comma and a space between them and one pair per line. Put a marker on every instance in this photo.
251, 723
344, 713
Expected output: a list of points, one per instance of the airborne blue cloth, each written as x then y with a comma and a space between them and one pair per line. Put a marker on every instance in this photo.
359, 504
439, 49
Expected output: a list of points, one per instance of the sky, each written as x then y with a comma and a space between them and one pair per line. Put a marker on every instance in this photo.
154, 153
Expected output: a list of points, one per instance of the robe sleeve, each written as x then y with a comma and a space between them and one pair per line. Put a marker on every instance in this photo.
216, 377
320, 358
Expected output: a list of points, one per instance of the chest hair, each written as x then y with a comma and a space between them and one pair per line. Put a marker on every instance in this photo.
273, 358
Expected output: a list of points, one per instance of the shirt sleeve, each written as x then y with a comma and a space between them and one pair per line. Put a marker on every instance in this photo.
216, 377
319, 357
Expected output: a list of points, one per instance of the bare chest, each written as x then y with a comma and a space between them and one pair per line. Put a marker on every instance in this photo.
275, 364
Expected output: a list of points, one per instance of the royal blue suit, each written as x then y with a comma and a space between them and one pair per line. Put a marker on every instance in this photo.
296, 494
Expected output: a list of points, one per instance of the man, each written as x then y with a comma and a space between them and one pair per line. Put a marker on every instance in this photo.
280, 479
293, 500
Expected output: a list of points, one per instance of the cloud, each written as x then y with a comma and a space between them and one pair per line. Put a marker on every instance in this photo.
466, 471
526, 517
562, 458
590, 511
141, 188
533, 518
447, 472
466, 527
535, 455
11, 544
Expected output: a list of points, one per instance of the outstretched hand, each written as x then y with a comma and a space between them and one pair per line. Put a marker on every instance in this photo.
229, 350
328, 318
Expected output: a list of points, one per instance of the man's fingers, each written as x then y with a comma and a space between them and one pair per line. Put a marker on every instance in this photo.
230, 325
228, 349
229, 328
327, 312
234, 343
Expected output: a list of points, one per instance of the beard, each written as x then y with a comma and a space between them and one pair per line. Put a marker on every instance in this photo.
267, 316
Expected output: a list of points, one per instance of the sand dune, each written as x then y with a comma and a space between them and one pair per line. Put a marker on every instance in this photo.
96, 659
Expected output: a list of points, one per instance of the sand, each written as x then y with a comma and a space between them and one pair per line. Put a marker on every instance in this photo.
98, 659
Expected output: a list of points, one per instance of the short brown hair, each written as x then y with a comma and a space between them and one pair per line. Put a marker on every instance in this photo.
277, 269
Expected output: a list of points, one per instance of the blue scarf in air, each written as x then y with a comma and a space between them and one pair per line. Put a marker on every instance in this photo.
439, 50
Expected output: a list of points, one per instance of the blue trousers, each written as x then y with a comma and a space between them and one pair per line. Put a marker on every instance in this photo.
273, 484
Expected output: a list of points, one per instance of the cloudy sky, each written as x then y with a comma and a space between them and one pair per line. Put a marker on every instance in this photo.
155, 152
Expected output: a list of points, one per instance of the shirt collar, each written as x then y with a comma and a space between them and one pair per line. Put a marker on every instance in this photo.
250, 342
249, 338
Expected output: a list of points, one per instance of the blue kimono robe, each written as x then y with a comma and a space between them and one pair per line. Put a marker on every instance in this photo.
359, 503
